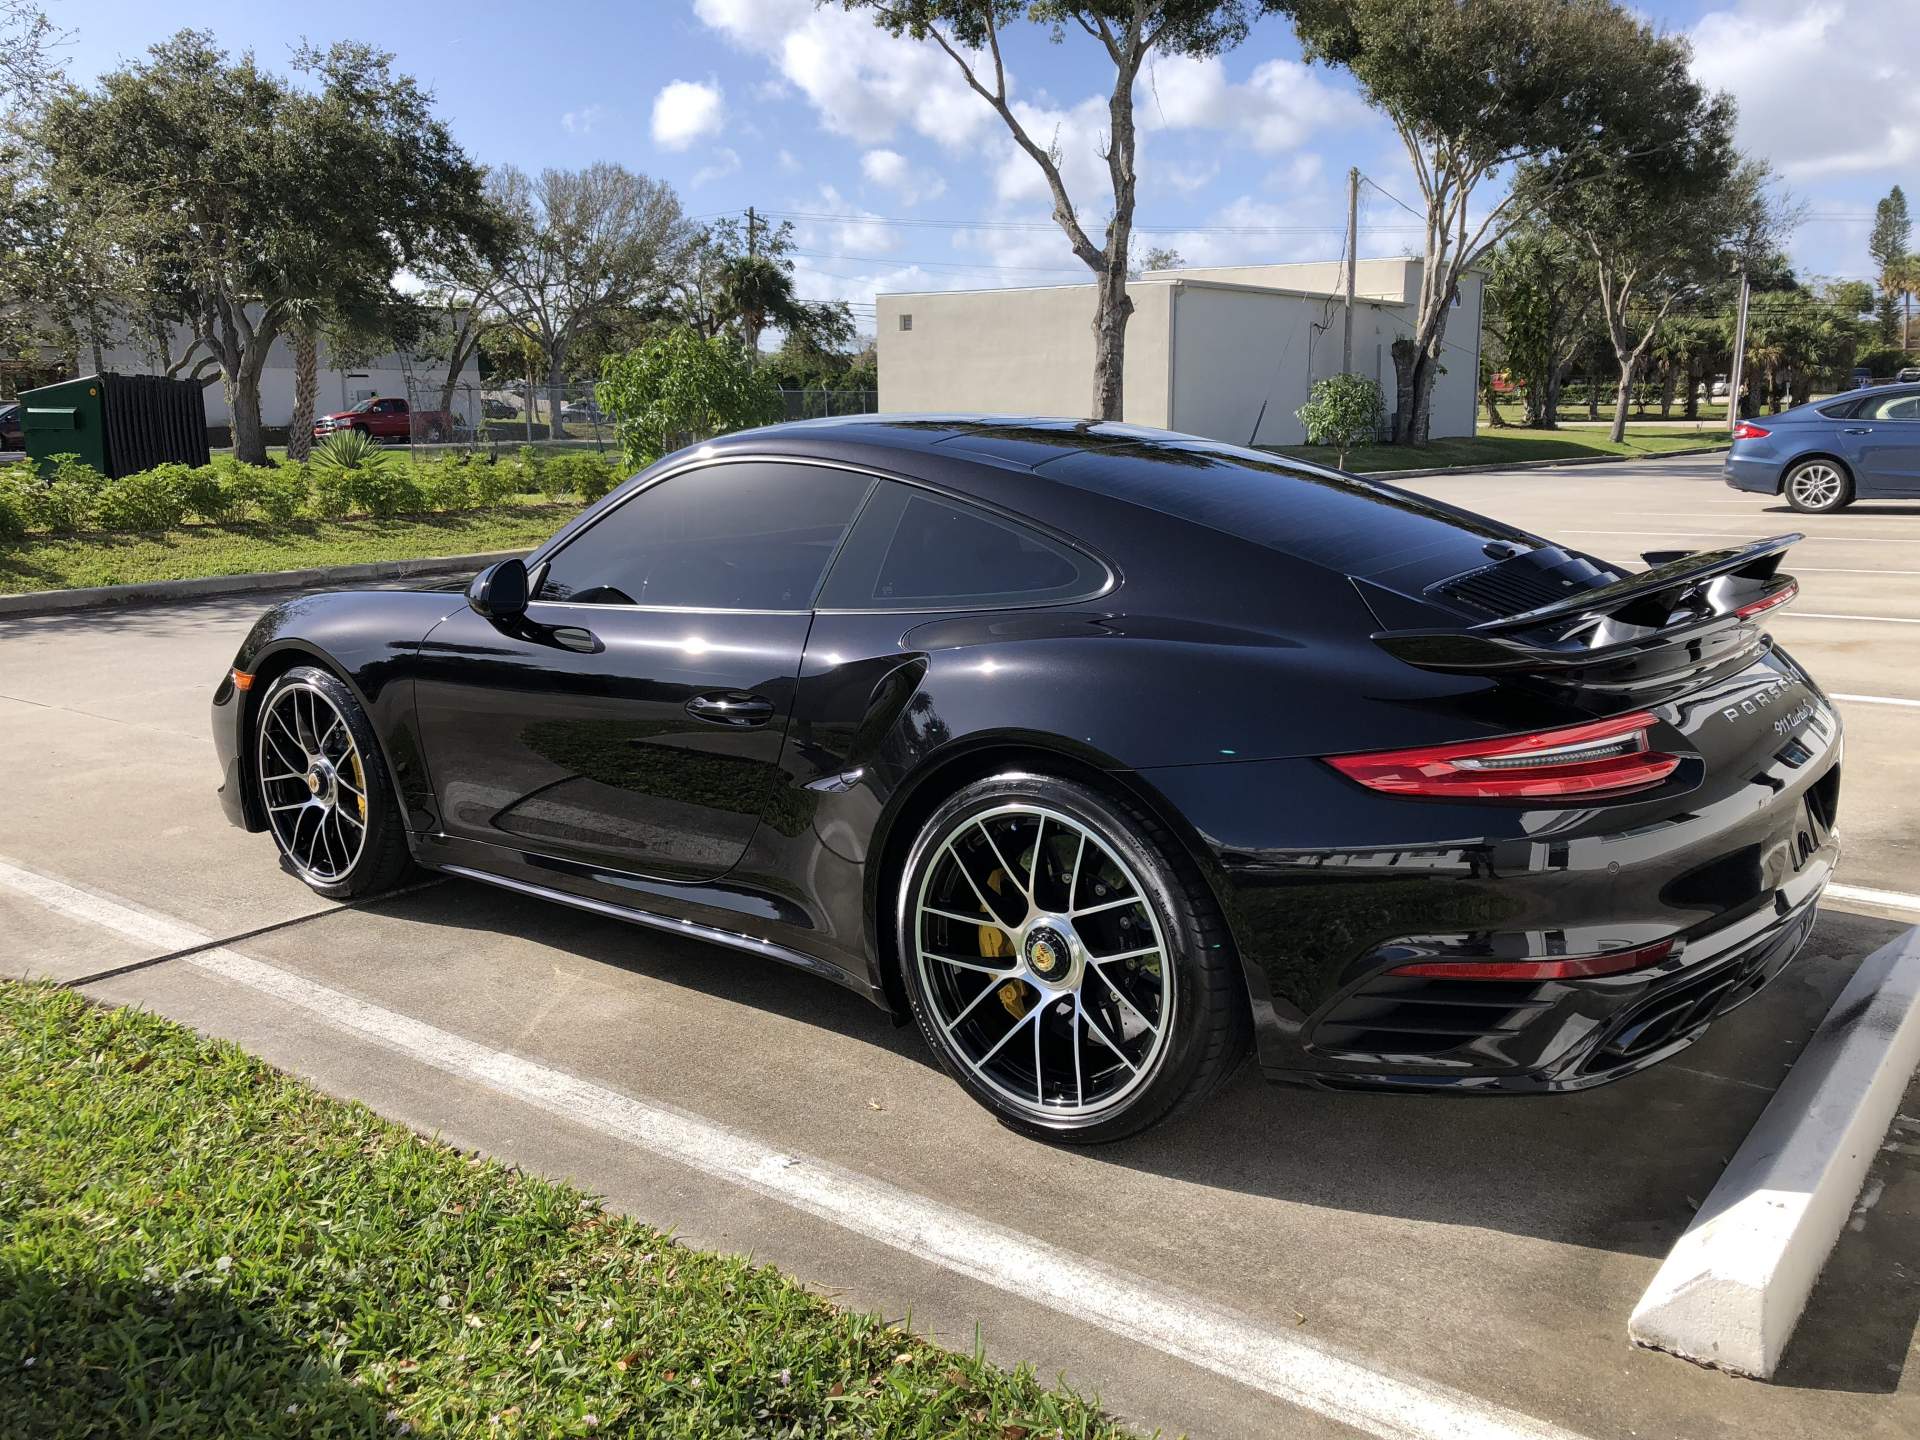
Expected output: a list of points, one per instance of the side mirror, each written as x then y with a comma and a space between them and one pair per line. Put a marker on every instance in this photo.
499, 592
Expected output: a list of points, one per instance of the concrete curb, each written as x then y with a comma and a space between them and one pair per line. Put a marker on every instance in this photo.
1392, 475
1734, 1285
38, 602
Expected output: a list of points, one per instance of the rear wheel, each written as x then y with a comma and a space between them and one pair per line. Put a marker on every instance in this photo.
328, 798
1815, 487
1062, 964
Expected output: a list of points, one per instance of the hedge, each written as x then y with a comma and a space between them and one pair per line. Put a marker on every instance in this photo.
66, 496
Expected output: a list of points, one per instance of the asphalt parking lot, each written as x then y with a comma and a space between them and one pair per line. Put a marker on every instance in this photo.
1472, 1262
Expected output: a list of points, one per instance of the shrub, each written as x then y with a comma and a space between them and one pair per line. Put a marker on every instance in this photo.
348, 450
444, 482
1883, 362
217, 493
384, 490
493, 482
274, 492
329, 492
683, 384
70, 469
532, 462
63, 506
576, 472
16, 507
1342, 411
151, 500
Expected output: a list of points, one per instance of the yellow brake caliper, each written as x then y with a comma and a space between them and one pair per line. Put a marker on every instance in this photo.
994, 945
359, 785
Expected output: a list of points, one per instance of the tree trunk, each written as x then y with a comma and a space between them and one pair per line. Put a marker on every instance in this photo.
1669, 384
1111, 311
1696, 371
1593, 385
1492, 402
556, 398
306, 383
1402, 387
249, 442
1622, 398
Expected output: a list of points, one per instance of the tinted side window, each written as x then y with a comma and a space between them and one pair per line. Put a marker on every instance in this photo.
1893, 407
751, 536
913, 551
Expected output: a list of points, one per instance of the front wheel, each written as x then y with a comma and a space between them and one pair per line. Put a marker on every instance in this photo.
1817, 487
1062, 963
324, 786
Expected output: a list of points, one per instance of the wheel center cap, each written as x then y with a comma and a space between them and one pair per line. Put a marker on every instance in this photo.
1048, 953
313, 781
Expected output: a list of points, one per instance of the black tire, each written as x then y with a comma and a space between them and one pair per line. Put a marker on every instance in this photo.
1209, 1030
382, 859
1818, 486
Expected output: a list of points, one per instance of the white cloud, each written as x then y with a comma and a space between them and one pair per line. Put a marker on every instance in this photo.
725, 161
1822, 86
582, 121
1277, 107
858, 232
787, 161
891, 170
862, 82
686, 111
1078, 138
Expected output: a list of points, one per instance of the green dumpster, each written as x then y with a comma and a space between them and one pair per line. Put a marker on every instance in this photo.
118, 424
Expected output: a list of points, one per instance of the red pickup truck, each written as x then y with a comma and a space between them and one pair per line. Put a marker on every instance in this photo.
386, 419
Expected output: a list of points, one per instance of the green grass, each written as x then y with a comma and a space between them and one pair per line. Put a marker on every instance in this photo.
1505, 447
42, 562
192, 1243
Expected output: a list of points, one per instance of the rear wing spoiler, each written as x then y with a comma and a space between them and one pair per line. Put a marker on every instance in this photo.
1690, 601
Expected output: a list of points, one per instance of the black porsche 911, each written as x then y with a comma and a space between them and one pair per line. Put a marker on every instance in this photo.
1103, 754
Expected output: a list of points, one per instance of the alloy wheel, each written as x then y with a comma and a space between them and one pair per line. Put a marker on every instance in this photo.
312, 782
1044, 963
1816, 486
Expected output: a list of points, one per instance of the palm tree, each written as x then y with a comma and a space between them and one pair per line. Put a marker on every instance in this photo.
756, 291
1903, 279
302, 320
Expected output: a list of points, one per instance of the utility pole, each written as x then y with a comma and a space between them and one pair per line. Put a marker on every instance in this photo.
1353, 262
1739, 354
753, 232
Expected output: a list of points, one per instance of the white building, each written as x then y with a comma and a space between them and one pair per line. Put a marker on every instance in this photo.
1228, 352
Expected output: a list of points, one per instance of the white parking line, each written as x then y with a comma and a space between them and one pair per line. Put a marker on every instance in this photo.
1877, 700
1315, 1377
1886, 899
1825, 570
1818, 615
1742, 535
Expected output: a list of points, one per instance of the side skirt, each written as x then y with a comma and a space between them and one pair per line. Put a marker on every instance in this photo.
689, 928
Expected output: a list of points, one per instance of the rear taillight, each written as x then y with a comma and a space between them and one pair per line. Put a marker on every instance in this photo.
1606, 757
1769, 602
1567, 967
1746, 430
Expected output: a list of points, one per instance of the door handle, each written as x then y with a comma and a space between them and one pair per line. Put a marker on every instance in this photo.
731, 707
1856, 430
574, 638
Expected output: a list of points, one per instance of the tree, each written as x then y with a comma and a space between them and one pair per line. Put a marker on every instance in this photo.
1475, 89
1888, 243
1127, 32
1662, 223
755, 289
27, 41
1539, 296
1158, 257
584, 245
238, 194
1903, 279
680, 388
1342, 411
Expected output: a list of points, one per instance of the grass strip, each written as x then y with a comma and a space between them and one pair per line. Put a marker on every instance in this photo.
1507, 447
43, 562
192, 1243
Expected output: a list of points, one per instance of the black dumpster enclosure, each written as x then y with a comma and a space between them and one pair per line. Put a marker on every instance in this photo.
119, 424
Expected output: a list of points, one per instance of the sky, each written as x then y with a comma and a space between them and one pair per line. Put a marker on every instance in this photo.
897, 177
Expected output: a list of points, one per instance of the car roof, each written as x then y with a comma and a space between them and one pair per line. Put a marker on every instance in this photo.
1284, 504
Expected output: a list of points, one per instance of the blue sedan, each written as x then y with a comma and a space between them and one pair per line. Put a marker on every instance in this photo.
1864, 445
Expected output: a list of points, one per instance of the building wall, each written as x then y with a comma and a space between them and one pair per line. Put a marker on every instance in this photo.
1244, 359
1231, 360
1386, 279
1017, 352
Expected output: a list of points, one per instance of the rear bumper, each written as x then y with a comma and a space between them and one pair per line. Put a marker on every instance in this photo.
1730, 871
1758, 474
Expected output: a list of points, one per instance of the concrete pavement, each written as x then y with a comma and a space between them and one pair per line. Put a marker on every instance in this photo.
1485, 1250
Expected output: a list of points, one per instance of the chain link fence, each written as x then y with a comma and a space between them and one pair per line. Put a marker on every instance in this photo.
507, 414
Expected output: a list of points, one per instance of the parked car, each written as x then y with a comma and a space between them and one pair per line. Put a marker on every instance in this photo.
582, 412
1862, 378
1908, 376
387, 419
1718, 390
1864, 445
13, 435
1101, 754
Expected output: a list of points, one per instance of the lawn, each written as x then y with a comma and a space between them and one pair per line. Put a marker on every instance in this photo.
1505, 447
43, 562
192, 1243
